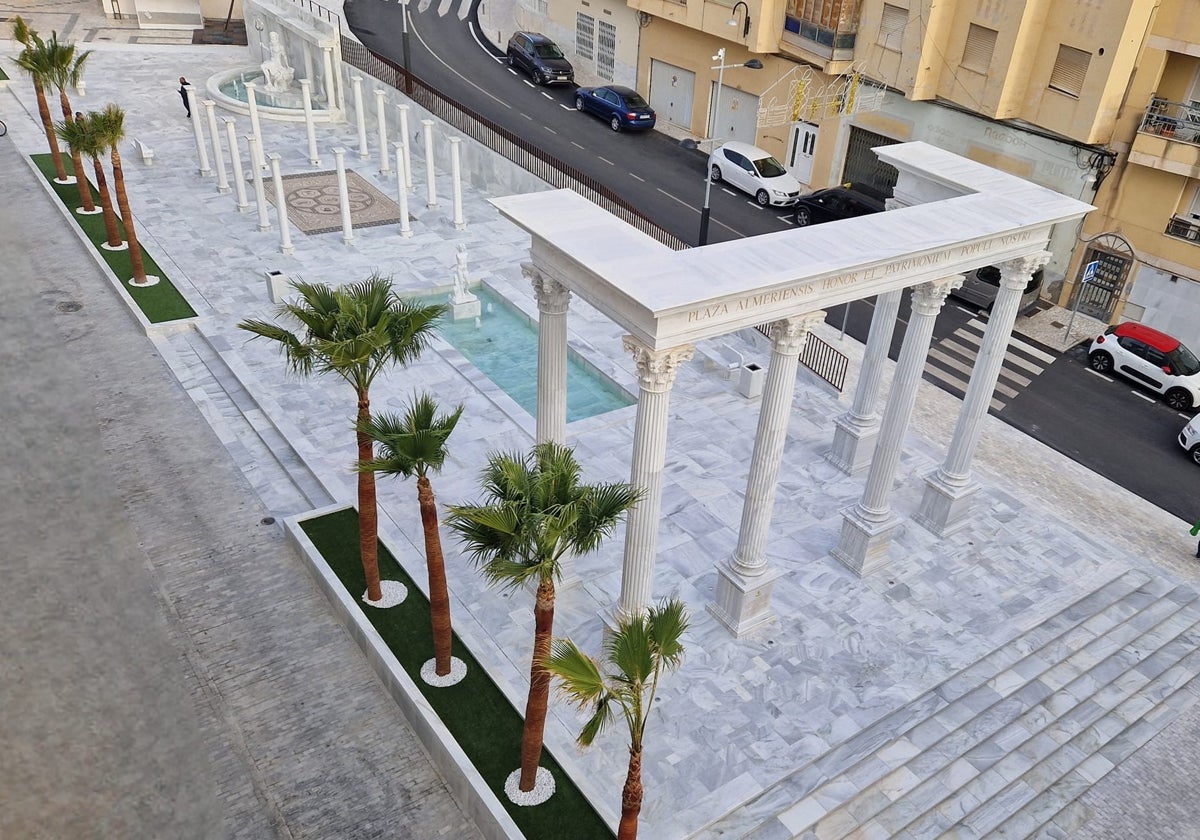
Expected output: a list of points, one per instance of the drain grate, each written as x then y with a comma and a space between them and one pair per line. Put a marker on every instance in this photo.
69, 306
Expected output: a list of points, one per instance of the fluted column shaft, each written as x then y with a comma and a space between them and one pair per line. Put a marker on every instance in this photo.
554, 299
879, 340
788, 337
656, 374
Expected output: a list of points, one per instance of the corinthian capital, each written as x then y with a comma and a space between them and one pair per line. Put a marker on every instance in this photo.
656, 368
927, 298
1015, 274
788, 335
553, 297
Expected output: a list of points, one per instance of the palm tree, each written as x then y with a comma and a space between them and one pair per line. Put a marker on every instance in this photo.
535, 511
355, 332
109, 126
82, 139
642, 647
413, 445
66, 69
33, 60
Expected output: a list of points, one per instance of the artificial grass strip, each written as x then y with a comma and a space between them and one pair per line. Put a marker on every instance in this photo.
159, 303
478, 715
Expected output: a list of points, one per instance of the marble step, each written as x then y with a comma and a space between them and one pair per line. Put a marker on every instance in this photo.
1005, 714
787, 808
1107, 742
279, 477
1070, 732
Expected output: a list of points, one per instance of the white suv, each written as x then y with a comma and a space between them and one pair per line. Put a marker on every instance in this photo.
1189, 438
1150, 358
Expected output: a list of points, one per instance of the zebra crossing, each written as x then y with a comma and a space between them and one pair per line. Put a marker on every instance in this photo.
951, 359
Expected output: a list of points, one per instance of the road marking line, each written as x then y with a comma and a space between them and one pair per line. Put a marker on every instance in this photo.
969, 353
639, 177
971, 312
564, 107
1009, 357
1145, 397
605, 160
680, 200
548, 128
1101, 375
576, 145
547, 95
1036, 352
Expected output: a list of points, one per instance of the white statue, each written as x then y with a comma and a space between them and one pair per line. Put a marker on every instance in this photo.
461, 278
276, 70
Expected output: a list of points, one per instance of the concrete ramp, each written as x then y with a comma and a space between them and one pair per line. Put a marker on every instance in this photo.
169, 14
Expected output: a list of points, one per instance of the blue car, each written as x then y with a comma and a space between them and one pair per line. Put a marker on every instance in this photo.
623, 107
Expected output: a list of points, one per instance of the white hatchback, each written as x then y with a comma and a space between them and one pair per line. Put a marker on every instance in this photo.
755, 172
1189, 438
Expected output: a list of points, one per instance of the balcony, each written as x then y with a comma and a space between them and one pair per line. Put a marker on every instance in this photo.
813, 41
1168, 139
1185, 229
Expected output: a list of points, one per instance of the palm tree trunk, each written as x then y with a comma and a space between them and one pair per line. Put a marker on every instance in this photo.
135, 250
539, 685
60, 171
111, 231
439, 597
631, 797
368, 515
81, 181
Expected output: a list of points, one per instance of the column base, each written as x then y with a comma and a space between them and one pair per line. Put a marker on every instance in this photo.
945, 508
743, 602
853, 443
863, 547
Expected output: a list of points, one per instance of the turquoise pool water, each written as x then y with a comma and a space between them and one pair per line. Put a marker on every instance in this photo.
504, 347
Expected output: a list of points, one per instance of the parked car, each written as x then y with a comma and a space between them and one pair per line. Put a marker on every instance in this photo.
540, 57
1150, 358
755, 172
834, 203
981, 286
622, 107
1189, 438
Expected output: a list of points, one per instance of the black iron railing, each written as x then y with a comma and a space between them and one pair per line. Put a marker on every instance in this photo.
1182, 228
1175, 120
821, 357
315, 8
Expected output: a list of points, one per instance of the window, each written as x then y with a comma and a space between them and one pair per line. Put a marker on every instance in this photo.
606, 57
1069, 69
585, 35
977, 53
891, 28
1194, 208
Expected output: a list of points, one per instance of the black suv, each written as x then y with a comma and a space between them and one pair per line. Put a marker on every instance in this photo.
540, 58
833, 204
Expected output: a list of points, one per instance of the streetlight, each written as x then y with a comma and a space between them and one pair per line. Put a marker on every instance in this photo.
404, 38
752, 64
733, 19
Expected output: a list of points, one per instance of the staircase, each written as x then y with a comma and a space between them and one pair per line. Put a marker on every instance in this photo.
1004, 748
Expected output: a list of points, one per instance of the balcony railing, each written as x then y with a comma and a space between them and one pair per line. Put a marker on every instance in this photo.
1172, 119
1181, 228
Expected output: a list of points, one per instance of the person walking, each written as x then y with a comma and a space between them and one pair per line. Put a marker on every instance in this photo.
1196, 530
183, 95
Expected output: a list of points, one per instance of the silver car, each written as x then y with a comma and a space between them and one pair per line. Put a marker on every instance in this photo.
981, 286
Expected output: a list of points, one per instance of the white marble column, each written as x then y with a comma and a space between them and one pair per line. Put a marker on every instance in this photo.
407, 141
855, 431
385, 160
201, 151
210, 114
949, 489
554, 299
310, 128
360, 117
430, 171
339, 156
402, 190
656, 374
744, 584
868, 525
260, 196
460, 222
285, 232
328, 86
235, 158
255, 126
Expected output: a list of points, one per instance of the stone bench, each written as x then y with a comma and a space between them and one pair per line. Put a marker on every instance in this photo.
145, 151
720, 357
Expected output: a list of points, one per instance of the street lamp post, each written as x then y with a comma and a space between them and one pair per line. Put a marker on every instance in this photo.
752, 64
404, 38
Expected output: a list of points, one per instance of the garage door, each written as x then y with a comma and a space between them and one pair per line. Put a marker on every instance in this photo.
671, 91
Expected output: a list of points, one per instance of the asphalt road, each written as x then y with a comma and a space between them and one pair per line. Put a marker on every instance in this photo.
1109, 426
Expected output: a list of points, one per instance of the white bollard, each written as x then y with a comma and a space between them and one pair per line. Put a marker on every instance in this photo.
285, 234
239, 180
339, 155
385, 160
314, 159
402, 189
430, 175
456, 179
260, 195
255, 128
361, 118
404, 138
198, 131
218, 155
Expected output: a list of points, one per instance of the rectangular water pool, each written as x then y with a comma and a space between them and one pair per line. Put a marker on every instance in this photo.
503, 345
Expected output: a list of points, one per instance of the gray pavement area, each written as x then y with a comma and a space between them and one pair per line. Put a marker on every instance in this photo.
170, 671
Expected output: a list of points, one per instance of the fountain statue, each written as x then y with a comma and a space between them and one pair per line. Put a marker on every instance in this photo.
276, 70
463, 304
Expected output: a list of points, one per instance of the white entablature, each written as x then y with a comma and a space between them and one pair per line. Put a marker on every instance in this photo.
964, 215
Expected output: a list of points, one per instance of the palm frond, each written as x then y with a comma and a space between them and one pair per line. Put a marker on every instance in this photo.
666, 623
580, 680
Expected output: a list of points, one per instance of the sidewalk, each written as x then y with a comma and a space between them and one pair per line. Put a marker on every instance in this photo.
272, 675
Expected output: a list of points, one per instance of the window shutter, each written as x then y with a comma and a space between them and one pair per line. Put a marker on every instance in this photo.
977, 53
585, 34
891, 28
1069, 70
